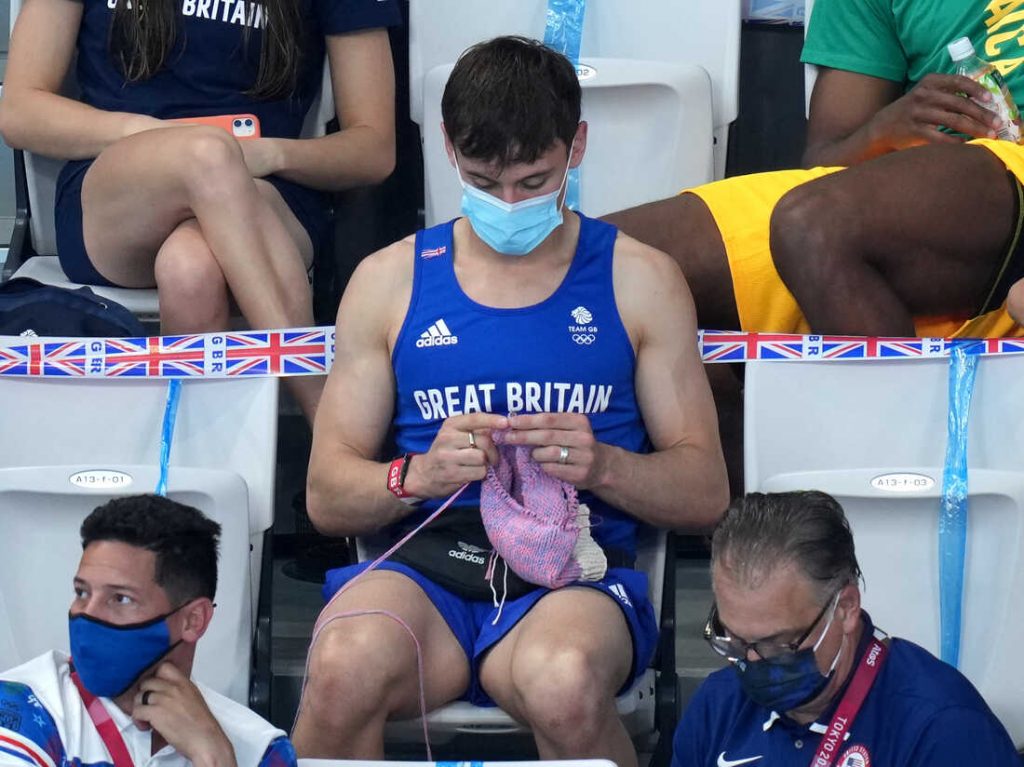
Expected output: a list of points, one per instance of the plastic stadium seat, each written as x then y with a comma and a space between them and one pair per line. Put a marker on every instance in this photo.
873, 435
43, 510
660, 88
61, 435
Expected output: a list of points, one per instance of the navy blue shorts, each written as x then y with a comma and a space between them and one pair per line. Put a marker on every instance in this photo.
471, 622
308, 205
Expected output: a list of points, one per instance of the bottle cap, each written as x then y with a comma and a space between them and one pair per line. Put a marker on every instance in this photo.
960, 49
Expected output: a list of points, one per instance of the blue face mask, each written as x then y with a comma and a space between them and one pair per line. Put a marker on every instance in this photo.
110, 658
785, 685
515, 228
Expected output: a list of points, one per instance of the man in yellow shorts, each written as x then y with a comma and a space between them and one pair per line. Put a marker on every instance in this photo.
871, 240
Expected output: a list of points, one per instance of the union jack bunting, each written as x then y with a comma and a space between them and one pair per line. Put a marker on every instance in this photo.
155, 357
310, 351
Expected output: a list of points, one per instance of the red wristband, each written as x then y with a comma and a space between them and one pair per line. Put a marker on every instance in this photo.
396, 479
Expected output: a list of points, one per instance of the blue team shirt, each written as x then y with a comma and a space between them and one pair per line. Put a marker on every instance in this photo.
568, 353
212, 65
920, 712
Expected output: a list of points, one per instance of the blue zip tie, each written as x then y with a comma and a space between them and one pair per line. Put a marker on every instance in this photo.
963, 367
167, 432
564, 33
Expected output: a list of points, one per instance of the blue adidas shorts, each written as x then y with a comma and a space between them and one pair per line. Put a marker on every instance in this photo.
471, 621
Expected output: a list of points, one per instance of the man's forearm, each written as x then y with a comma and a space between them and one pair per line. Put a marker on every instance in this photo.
350, 497
682, 488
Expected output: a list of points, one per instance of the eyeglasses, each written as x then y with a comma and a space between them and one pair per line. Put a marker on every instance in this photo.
733, 649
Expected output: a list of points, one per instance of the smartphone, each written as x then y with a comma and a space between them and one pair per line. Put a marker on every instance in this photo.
240, 126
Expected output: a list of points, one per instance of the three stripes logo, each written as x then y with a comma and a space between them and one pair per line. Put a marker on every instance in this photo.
437, 334
619, 591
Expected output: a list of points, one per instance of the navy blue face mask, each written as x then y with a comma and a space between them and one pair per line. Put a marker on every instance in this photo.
109, 658
785, 684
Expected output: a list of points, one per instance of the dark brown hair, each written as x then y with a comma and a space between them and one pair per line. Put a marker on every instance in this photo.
143, 34
509, 99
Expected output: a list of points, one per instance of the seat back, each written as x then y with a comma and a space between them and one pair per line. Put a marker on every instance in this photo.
874, 436
633, 55
42, 508
228, 425
650, 135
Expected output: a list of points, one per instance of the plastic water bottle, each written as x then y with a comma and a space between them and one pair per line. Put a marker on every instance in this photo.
969, 64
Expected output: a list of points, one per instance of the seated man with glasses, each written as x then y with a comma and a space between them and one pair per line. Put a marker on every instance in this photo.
812, 681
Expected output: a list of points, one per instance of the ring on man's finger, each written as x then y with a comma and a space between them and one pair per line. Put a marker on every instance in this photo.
145, 697
563, 455
472, 439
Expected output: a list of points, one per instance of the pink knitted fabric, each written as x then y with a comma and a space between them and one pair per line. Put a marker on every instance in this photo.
536, 522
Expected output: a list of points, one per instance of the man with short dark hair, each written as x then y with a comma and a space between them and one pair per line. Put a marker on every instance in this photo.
812, 681
547, 331
143, 598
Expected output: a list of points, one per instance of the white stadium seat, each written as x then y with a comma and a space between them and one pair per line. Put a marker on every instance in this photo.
62, 437
873, 434
660, 88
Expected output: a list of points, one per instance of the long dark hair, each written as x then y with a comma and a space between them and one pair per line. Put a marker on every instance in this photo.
143, 33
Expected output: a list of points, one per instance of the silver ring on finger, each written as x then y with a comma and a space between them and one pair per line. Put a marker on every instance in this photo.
472, 439
145, 697
563, 455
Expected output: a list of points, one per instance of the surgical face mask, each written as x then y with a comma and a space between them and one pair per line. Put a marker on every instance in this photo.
110, 658
512, 228
785, 684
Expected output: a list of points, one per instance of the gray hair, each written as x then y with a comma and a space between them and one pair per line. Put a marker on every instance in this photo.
763, 531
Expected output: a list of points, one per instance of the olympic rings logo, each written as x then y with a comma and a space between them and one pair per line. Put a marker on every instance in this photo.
584, 339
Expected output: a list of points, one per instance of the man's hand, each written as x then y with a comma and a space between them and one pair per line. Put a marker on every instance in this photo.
564, 446
857, 117
936, 100
173, 706
459, 454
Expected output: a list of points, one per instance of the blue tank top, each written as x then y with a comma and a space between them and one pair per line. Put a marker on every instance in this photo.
570, 353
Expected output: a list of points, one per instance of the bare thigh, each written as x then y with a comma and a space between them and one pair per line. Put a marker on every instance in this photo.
376, 645
579, 632
683, 227
933, 221
139, 190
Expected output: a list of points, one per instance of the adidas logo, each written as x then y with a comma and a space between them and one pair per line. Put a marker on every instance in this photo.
437, 334
619, 590
468, 554
471, 548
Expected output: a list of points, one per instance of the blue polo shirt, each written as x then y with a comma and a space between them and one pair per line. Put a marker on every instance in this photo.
920, 712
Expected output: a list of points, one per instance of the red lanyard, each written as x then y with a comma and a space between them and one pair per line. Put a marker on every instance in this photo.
849, 706
105, 726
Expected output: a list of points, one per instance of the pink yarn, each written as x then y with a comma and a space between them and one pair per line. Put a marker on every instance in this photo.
533, 520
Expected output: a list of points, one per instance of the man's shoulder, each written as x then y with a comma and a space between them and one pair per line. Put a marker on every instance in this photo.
380, 284
925, 683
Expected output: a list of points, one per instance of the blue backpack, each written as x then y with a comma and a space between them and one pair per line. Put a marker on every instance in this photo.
31, 308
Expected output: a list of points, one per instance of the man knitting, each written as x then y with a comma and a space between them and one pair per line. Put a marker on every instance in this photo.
526, 335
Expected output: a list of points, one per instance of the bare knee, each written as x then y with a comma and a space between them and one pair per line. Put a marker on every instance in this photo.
806, 232
1015, 302
564, 693
210, 161
355, 670
191, 286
